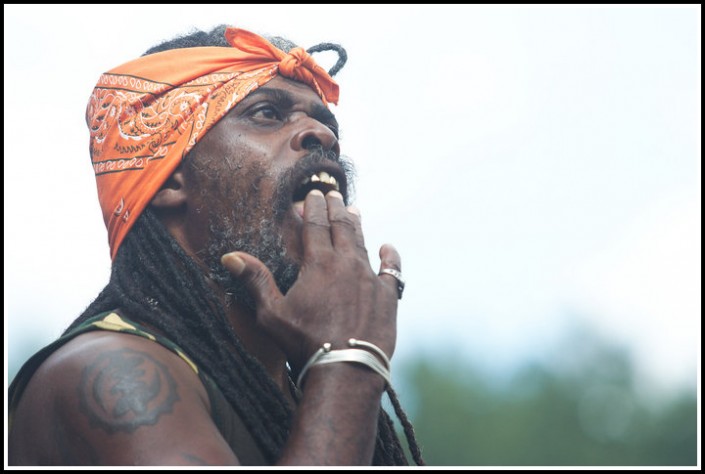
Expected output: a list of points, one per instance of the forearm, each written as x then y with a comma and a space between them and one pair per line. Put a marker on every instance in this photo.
336, 421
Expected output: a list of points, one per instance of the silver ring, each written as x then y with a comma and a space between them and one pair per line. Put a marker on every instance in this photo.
396, 274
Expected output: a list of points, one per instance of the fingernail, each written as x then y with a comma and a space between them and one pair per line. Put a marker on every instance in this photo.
336, 195
316, 192
233, 263
354, 210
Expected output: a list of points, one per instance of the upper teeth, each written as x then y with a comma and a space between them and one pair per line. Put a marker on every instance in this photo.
322, 177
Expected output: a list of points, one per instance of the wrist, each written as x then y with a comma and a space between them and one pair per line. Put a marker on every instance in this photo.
357, 352
354, 380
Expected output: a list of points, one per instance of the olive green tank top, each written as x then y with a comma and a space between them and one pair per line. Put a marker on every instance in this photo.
225, 417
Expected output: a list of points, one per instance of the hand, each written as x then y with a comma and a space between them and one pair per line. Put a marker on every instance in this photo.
336, 296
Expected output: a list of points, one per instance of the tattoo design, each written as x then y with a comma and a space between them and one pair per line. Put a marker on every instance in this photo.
125, 389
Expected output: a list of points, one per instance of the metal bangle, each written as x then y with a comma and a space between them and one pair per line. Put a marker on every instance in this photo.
325, 355
325, 348
352, 342
359, 356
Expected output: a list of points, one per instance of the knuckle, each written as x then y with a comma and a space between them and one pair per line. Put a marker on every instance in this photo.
315, 224
341, 215
344, 221
259, 277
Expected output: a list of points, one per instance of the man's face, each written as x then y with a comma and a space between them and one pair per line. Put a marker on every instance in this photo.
248, 176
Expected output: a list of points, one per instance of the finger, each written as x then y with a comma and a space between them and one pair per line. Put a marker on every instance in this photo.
359, 236
342, 223
255, 275
390, 259
316, 231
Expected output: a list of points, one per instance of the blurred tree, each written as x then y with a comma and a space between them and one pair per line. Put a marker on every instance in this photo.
580, 411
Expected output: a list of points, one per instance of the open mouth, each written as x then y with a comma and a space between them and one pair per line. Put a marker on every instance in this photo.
324, 181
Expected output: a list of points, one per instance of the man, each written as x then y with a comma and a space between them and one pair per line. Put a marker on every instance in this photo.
243, 323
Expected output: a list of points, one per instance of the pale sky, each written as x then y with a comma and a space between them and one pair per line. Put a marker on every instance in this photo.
537, 167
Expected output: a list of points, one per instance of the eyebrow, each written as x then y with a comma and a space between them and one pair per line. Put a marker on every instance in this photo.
287, 100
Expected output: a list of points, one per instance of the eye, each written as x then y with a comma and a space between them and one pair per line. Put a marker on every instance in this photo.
266, 112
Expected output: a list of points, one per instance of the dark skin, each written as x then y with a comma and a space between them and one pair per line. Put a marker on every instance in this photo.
73, 411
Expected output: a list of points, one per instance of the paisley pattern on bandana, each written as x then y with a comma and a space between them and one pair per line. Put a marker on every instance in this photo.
146, 115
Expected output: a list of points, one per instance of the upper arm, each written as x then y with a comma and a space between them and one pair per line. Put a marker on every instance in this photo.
116, 399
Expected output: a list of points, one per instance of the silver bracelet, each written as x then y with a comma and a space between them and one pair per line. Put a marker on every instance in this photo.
325, 355
325, 348
352, 342
359, 356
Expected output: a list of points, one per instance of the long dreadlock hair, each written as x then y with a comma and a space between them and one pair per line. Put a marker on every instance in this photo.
155, 281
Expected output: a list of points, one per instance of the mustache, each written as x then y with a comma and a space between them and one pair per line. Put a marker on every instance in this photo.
290, 179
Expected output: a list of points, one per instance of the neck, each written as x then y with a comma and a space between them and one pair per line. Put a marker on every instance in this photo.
242, 319
256, 342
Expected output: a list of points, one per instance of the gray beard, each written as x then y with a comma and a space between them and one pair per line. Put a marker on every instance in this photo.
260, 239
252, 227
246, 230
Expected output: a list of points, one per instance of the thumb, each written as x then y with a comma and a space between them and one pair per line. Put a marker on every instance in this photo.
254, 274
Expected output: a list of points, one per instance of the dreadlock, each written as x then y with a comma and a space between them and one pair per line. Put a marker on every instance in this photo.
154, 280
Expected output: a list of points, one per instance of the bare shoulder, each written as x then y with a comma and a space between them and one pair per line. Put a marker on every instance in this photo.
122, 382
112, 398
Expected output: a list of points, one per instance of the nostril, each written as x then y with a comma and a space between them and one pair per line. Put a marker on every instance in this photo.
311, 141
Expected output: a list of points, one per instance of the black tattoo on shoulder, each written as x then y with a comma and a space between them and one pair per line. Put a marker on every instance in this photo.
125, 389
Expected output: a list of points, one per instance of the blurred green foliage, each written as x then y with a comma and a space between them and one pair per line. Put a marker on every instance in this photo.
583, 410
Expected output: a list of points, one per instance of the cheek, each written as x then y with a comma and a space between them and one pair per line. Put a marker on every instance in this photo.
252, 145
291, 233
234, 147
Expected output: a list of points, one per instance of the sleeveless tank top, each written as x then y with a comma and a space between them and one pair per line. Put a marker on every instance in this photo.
225, 417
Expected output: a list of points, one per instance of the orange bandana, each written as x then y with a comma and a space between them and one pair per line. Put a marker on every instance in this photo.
146, 115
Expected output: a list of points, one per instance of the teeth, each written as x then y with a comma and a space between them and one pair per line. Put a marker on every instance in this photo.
322, 177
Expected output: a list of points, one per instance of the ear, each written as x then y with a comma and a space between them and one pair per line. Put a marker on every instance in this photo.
172, 194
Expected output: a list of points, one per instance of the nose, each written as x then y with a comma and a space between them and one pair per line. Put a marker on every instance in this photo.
313, 133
